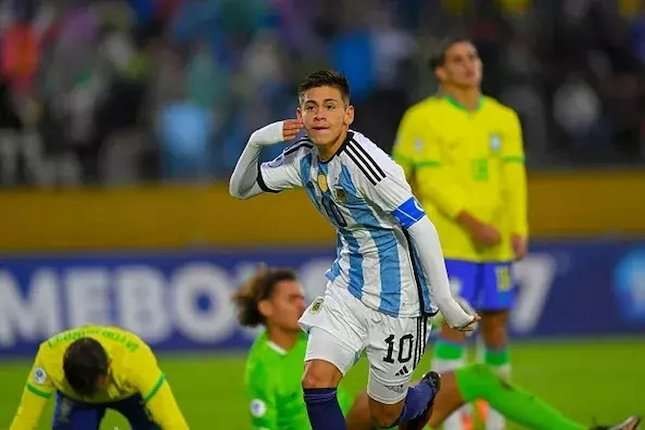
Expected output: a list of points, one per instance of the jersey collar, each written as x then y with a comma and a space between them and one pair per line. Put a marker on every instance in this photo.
276, 348
453, 101
341, 148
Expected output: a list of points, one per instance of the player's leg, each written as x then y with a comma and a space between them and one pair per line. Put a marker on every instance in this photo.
134, 411
336, 339
449, 350
480, 382
395, 348
498, 296
72, 415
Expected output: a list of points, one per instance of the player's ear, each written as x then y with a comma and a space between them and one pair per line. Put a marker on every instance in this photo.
265, 308
440, 73
299, 113
349, 115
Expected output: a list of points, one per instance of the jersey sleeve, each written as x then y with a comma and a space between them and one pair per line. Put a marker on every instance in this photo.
261, 396
283, 172
514, 173
404, 152
387, 189
148, 379
38, 390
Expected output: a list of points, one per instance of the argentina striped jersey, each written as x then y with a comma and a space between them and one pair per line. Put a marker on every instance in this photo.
365, 196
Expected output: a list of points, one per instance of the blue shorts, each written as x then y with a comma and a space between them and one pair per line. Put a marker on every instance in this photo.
486, 286
74, 415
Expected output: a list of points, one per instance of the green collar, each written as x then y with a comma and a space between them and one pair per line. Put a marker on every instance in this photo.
453, 101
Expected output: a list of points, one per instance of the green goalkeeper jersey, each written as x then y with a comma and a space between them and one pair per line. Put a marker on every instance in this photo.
272, 379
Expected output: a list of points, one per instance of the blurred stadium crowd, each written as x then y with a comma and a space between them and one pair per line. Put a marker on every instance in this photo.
116, 91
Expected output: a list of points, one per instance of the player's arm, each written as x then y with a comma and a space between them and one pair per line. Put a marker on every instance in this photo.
261, 396
393, 195
158, 399
514, 174
248, 179
38, 390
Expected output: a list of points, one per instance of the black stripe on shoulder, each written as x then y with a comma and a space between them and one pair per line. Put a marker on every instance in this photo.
360, 162
364, 163
262, 184
304, 142
367, 174
369, 157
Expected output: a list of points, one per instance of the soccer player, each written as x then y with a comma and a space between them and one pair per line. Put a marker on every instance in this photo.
274, 298
389, 274
93, 368
463, 151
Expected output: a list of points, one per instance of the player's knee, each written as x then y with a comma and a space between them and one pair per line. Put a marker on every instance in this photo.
318, 378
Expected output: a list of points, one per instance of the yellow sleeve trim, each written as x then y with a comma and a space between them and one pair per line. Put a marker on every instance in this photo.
154, 389
40, 393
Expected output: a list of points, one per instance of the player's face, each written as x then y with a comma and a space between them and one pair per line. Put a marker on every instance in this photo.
462, 66
286, 305
326, 116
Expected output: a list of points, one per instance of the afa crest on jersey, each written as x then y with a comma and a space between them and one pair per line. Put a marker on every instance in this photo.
341, 195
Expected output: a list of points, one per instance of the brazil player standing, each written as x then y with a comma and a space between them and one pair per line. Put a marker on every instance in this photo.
389, 274
464, 153
93, 368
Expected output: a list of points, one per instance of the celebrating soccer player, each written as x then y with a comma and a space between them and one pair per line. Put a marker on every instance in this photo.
94, 368
389, 274
274, 299
463, 151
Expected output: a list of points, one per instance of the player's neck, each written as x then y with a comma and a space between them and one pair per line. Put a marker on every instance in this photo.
326, 152
466, 98
283, 338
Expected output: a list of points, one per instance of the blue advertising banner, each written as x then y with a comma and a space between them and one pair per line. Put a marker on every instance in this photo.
181, 300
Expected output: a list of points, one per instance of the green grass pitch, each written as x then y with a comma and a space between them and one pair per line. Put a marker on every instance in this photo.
602, 379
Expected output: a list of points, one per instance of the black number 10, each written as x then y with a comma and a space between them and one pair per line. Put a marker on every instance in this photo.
405, 345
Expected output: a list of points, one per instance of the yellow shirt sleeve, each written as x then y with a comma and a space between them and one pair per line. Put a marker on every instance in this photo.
158, 399
417, 149
403, 150
514, 173
38, 390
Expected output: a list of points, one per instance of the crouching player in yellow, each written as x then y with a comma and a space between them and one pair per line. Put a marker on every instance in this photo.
93, 368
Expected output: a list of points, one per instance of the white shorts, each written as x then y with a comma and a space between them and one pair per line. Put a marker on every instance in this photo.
341, 327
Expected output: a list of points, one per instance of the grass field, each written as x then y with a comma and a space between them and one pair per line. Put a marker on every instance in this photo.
604, 380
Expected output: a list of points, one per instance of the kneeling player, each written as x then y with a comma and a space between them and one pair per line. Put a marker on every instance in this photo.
94, 368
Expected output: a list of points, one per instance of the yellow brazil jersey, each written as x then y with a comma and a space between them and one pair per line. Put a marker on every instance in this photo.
466, 160
133, 370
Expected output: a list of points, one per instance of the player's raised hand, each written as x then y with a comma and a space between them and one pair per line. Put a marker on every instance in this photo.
291, 128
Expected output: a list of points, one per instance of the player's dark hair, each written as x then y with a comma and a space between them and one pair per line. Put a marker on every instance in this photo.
325, 78
260, 287
85, 361
438, 57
